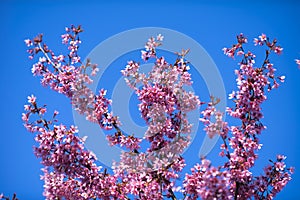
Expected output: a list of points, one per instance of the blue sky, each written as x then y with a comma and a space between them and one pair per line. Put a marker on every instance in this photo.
212, 24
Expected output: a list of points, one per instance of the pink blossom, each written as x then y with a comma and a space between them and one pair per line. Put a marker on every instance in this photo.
59, 58
31, 99
261, 40
65, 38
228, 52
256, 41
28, 42
145, 56
70, 170
24, 117
281, 78
278, 50
279, 166
159, 37
240, 53
75, 59
292, 170
232, 95
56, 112
26, 107
281, 157
263, 37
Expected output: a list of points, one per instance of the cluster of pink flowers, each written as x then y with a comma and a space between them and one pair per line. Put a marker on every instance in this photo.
264, 40
164, 105
67, 75
207, 182
214, 126
234, 180
164, 102
71, 171
275, 178
130, 142
151, 47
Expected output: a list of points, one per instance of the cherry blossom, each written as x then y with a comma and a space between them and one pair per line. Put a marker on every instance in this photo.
240, 143
71, 171
164, 111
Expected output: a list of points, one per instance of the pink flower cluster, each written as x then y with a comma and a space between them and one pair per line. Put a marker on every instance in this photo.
214, 126
129, 142
207, 182
234, 180
164, 101
71, 171
164, 105
67, 75
151, 47
275, 178
264, 40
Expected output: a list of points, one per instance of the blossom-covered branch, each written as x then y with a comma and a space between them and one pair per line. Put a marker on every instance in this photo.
71, 171
234, 180
164, 106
